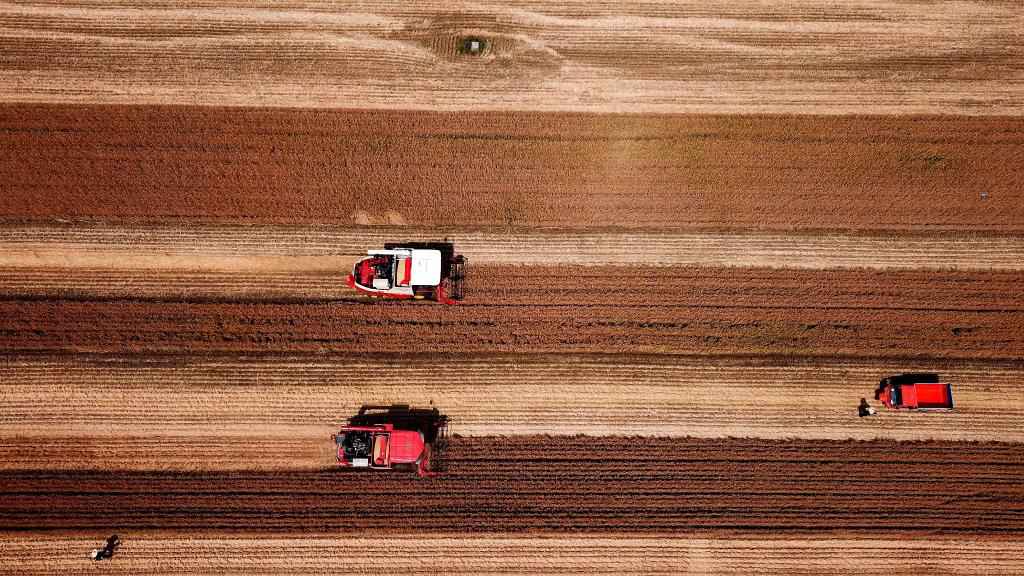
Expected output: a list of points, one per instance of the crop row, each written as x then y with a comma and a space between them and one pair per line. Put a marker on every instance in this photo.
567, 483
125, 326
510, 170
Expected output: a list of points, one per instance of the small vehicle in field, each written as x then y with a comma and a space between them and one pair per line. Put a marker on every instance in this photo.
396, 436
411, 270
916, 391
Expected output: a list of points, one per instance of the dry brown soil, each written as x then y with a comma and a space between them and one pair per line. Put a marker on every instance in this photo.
585, 484
678, 311
512, 169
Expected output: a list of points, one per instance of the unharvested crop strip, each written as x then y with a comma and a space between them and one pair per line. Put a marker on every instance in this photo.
511, 170
578, 484
681, 328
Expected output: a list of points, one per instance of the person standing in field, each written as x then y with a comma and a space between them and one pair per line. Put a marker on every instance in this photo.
107, 551
865, 409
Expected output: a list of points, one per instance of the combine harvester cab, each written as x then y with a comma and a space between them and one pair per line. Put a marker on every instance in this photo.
411, 270
918, 391
397, 436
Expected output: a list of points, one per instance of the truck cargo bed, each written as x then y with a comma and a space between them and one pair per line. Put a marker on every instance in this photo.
927, 396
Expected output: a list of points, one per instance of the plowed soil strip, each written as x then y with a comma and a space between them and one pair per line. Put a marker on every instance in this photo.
550, 321
512, 170
195, 413
35, 253
799, 56
522, 484
494, 554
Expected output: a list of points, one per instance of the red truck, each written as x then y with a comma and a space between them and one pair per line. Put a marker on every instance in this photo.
396, 436
915, 391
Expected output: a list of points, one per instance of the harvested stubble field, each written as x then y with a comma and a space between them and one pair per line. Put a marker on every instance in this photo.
196, 413
263, 248
733, 56
707, 295
153, 552
302, 264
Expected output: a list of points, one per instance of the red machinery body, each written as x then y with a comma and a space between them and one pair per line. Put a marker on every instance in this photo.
383, 437
387, 446
921, 391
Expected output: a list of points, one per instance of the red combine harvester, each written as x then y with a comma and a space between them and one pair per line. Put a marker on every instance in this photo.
397, 436
411, 270
919, 391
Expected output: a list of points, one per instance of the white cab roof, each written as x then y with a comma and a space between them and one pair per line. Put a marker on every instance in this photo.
426, 264
426, 267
